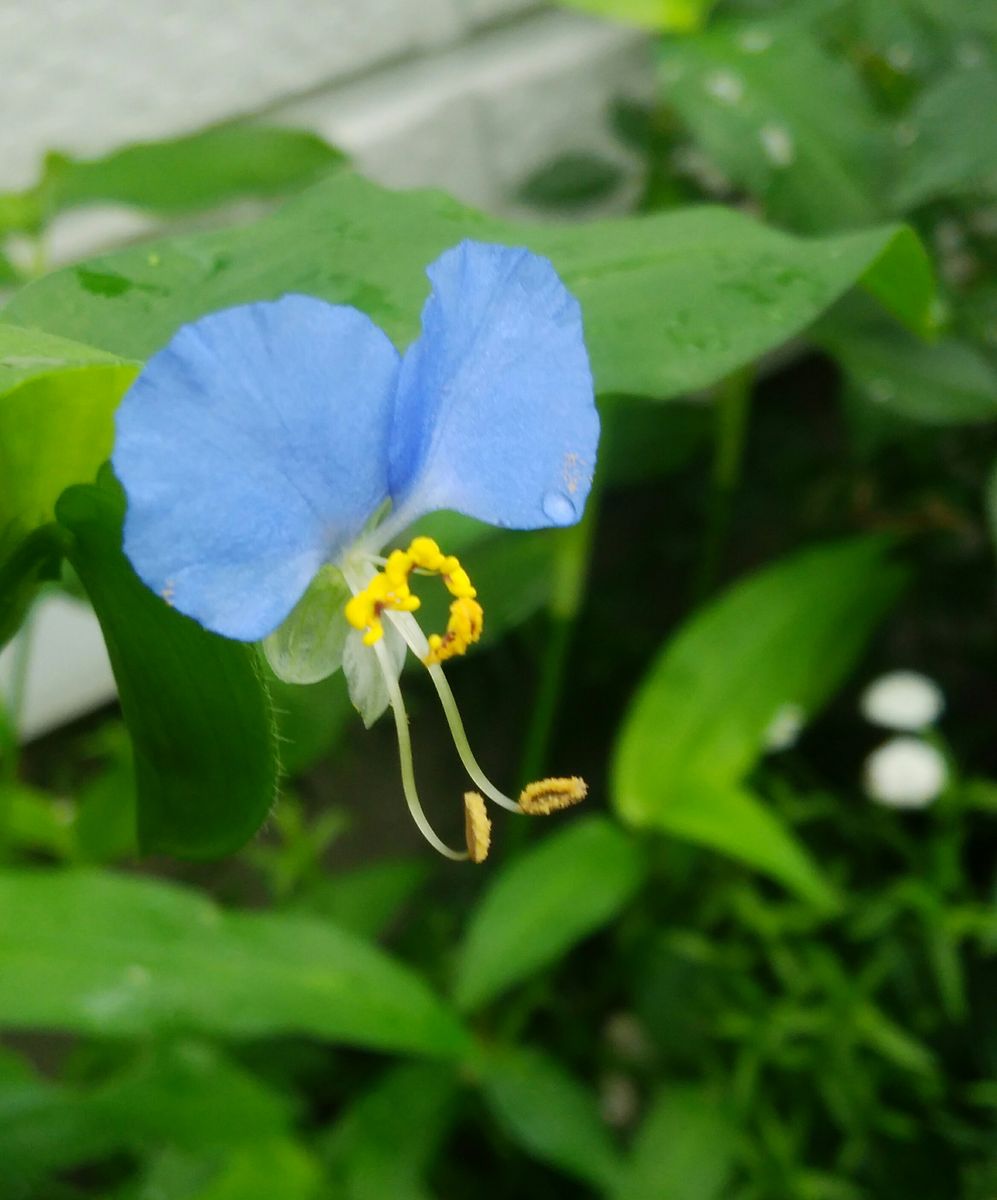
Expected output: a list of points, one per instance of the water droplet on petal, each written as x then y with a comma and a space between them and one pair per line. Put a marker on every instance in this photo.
559, 508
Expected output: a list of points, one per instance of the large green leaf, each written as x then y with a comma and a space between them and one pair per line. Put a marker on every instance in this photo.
952, 150
755, 97
543, 902
549, 1113
91, 952
197, 710
785, 636
672, 301
187, 174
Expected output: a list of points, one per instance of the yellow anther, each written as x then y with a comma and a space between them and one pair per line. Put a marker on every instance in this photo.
545, 796
425, 553
398, 568
477, 827
458, 583
389, 589
463, 629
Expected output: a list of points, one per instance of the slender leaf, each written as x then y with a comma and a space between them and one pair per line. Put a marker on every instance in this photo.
180, 175
543, 902
549, 1113
754, 95
951, 150
386, 1140
196, 708
785, 636
684, 1150
949, 382
91, 952
667, 16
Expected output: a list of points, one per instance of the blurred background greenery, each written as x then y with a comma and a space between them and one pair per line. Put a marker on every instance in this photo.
760, 964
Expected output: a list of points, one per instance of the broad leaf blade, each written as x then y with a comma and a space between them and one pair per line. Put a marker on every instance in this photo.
92, 952
197, 710
539, 905
672, 300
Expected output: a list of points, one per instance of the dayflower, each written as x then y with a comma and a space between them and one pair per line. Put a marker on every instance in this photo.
272, 451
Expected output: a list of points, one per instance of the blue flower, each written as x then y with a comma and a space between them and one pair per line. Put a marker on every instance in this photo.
271, 450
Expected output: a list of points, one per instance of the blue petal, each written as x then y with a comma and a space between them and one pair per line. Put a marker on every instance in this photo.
495, 415
253, 449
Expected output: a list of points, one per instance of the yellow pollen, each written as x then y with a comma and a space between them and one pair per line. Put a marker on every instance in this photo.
550, 795
389, 589
477, 827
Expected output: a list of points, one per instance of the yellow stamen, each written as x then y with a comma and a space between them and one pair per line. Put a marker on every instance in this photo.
477, 827
389, 590
550, 795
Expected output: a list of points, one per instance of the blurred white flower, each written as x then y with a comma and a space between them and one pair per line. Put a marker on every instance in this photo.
904, 700
784, 728
905, 772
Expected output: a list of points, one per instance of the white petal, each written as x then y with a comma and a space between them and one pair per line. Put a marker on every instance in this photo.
364, 678
905, 772
904, 700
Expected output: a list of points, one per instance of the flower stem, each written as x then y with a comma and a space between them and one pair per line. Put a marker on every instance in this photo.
733, 406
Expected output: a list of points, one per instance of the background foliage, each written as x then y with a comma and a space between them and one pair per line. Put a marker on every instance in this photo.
733, 976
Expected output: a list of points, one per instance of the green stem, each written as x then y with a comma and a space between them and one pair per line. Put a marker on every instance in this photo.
571, 564
733, 407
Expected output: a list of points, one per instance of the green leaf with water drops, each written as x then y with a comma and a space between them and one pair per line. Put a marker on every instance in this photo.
754, 95
542, 902
91, 952
196, 708
672, 301
785, 636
